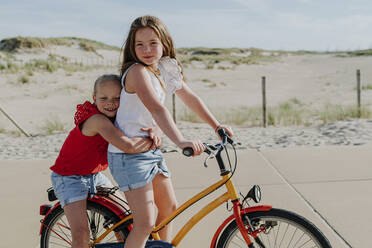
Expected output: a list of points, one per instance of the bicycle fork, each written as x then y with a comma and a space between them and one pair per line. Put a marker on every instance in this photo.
237, 212
237, 207
239, 221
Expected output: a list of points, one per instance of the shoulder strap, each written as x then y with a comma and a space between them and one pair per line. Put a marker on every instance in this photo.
125, 74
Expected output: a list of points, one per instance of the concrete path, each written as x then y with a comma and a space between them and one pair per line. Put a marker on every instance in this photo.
336, 182
330, 186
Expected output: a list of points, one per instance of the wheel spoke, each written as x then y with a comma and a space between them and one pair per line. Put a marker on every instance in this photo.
303, 245
292, 237
268, 238
238, 245
277, 234
99, 218
298, 240
67, 236
277, 229
285, 234
58, 244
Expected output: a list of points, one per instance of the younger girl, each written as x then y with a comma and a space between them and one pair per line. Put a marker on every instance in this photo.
150, 73
83, 156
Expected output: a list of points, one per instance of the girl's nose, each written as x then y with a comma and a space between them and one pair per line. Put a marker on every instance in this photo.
146, 48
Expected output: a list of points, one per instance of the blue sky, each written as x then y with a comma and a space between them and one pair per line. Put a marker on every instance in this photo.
270, 24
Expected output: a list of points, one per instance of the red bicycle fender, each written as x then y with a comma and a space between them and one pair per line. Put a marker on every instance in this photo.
262, 208
50, 210
120, 212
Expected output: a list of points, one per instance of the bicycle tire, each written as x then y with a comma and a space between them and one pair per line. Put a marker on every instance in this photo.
55, 231
296, 231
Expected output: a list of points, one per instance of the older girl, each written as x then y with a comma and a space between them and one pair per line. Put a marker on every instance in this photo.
150, 73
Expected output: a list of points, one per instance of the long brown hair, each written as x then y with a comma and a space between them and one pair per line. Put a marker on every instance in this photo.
147, 21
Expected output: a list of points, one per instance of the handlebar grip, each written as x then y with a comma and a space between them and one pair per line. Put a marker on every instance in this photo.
222, 133
224, 136
188, 151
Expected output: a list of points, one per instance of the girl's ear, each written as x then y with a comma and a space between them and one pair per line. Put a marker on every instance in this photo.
94, 98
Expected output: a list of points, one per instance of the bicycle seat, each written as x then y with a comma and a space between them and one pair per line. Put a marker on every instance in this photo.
149, 244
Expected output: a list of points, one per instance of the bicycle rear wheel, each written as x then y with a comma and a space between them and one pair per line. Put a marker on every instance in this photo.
56, 230
279, 228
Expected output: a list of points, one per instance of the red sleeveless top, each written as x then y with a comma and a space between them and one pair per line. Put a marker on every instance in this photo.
80, 154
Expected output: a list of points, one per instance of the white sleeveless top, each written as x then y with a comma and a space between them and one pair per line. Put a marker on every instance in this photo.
132, 114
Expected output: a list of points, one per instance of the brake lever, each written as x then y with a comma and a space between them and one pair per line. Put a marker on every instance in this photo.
211, 154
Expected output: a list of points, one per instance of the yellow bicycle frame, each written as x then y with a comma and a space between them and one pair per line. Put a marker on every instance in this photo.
230, 194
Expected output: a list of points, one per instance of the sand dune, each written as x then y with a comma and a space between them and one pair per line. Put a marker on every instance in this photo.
34, 97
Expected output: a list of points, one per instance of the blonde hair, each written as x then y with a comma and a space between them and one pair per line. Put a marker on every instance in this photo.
104, 78
147, 21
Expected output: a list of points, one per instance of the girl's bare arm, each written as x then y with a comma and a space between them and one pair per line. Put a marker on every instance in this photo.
100, 124
193, 102
138, 81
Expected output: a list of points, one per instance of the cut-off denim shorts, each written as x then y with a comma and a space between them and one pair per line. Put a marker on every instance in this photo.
75, 188
132, 171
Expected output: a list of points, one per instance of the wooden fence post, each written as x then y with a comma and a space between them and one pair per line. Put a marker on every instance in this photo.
358, 94
14, 123
264, 115
174, 107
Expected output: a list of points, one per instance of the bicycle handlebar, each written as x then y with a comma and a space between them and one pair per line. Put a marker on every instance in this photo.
188, 151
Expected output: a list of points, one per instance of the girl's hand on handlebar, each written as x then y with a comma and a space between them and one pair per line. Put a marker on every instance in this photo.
197, 146
227, 129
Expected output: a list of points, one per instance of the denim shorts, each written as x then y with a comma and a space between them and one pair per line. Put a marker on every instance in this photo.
132, 171
75, 188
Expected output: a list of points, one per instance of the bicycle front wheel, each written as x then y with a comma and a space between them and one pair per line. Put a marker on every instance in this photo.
56, 230
277, 228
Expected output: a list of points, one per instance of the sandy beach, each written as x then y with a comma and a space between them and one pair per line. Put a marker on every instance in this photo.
45, 84
40, 88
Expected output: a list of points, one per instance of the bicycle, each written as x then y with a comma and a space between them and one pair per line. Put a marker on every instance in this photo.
263, 226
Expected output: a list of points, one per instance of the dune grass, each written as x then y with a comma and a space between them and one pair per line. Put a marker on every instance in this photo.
9, 63
290, 113
212, 57
53, 125
358, 53
367, 87
23, 79
336, 112
51, 64
15, 43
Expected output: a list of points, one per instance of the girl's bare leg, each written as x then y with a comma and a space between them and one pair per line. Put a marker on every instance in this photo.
166, 202
141, 203
77, 218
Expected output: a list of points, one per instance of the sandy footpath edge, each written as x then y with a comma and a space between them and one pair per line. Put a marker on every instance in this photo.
351, 132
